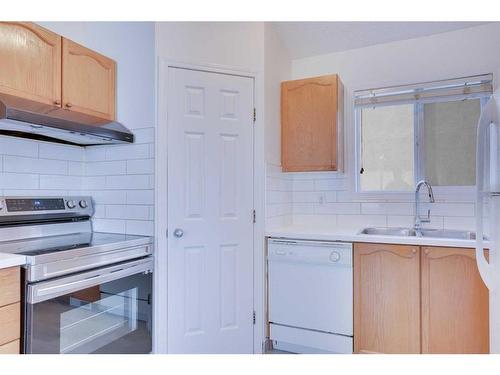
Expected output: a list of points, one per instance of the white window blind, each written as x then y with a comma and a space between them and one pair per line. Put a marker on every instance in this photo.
454, 89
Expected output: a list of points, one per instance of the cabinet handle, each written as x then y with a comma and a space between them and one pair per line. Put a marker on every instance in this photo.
426, 251
413, 251
69, 105
57, 102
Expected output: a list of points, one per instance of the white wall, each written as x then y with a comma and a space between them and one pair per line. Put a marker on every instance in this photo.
121, 177
324, 198
277, 68
237, 45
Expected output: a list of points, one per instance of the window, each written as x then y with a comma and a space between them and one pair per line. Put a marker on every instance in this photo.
428, 131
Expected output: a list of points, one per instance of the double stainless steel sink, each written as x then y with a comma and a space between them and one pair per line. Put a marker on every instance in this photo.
422, 232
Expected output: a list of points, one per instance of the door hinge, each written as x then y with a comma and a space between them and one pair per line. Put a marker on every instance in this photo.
254, 115
254, 317
254, 215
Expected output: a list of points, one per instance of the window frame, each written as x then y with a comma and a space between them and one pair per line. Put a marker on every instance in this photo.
459, 193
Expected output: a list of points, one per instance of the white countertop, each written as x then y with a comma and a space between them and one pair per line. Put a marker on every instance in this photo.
11, 260
352, 235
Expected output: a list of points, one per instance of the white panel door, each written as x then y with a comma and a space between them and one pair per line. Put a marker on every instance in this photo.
210, 199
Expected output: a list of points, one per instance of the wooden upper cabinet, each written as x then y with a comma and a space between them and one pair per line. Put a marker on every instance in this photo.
455, 316
386, 298
30, 62
88, 83
311, 123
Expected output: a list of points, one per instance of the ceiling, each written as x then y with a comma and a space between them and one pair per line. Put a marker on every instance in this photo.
305, 39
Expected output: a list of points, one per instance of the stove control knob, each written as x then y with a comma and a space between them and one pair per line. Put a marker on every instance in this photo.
83, 203
71, 204
1, 205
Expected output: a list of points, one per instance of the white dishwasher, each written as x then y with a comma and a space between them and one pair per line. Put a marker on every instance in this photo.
310, 296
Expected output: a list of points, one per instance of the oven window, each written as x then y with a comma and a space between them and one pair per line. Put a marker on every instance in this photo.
111, 318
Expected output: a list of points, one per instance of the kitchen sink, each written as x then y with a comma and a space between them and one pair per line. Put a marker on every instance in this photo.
389, 232
424, 232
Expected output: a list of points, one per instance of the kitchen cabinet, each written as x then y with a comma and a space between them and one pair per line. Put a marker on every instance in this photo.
311, 124
30, 62
454, 302
386, 298
43, 67
410, 299
88, 81
10, 310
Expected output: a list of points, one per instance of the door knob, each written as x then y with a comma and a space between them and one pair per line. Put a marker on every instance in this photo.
178, 233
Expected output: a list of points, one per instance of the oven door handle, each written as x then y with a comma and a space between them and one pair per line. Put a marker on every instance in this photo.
46, 290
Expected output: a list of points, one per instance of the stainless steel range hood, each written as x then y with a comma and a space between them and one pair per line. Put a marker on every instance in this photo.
29, 119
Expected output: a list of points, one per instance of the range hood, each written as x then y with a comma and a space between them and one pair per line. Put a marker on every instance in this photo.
29, 119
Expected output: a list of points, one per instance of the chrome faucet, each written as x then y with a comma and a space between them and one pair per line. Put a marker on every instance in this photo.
418, 219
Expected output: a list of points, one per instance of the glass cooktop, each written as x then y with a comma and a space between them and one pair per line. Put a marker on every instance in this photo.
53, 244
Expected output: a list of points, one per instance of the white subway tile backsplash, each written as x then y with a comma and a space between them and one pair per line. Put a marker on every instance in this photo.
61, 152
129, 182
140, 166
387, 208
330, 184
303, 185
320, 196
361, 221
19, 181
109, 225
36, 192
337, 208
140, 227
134, 212
449, 209
95, 153
76, 168
464, 223
279, 196
22, 164
61, 182
18, 146
127, 152
302, 208
106, 168
307, 197
140, 197
109, 196
95, 182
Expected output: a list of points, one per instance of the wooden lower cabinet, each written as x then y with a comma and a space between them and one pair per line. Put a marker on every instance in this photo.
455, 302
10, 310
410, 299
386, 299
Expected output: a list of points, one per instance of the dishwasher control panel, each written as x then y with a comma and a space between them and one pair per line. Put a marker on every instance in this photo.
313, 252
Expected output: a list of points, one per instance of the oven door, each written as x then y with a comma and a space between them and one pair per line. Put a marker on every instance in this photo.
107, 310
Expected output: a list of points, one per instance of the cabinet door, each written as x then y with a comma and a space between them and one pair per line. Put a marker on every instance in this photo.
386, 298
30, 62
455, 307
309, 124
88, 81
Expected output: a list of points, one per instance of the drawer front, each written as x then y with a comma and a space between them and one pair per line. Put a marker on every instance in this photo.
10, 348
10, 286
10, 323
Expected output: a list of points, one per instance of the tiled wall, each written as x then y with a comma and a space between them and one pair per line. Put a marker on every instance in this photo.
323, 198
278, 197
40, 168
120, 178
